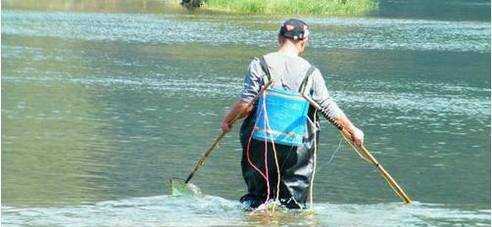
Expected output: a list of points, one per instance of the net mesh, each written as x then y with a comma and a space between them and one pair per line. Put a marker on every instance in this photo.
180, 188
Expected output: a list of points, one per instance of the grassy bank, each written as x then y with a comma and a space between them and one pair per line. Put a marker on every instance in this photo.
293, 7
252, 7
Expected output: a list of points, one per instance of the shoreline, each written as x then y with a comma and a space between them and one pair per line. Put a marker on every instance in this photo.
314, 8
260, 8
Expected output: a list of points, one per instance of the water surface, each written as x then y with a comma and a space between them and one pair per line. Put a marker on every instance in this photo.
99, 110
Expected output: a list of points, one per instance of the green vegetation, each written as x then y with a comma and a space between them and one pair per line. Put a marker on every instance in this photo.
293, 7
252, 7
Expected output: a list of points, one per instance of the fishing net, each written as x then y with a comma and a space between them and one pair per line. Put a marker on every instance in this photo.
180, 188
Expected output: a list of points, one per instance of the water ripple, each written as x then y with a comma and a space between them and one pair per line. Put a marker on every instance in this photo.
430, 103
356, 33
212, 211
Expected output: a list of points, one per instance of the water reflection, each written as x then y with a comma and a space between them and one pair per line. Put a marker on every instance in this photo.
49, 144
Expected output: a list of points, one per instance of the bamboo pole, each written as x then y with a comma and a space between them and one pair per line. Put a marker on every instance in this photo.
365, 154
205, 156
216, 141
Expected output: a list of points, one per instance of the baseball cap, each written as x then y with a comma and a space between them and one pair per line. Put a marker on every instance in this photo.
295, 29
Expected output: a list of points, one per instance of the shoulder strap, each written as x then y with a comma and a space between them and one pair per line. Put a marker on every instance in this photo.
264, 66
310, 71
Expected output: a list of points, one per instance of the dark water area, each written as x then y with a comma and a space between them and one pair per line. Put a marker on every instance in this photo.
457, 10
100, 110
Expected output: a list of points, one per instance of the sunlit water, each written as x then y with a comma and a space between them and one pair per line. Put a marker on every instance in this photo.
100, 110
216, 211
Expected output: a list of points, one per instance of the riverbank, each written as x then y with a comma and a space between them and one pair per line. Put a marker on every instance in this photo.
293, 7
247, 7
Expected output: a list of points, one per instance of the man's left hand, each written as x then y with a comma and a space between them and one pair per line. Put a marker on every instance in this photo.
357, 136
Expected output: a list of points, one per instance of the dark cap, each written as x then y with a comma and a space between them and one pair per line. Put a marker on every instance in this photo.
295, 29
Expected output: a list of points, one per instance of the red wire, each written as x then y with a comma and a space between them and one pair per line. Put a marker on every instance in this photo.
264, 175
247, 154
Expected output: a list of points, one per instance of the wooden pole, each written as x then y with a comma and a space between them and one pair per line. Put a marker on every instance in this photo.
365, 154
207, 153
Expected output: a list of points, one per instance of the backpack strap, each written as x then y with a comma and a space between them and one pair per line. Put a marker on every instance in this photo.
310, 71
265, 68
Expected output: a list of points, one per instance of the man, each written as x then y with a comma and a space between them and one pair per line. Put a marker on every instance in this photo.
277, 163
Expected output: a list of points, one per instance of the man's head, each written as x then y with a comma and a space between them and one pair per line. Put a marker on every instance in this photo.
294, 32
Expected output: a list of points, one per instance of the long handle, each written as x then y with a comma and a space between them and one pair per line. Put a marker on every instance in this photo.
365, 154
207, 153
371, 159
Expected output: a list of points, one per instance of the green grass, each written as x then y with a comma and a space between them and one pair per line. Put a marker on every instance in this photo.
294, 7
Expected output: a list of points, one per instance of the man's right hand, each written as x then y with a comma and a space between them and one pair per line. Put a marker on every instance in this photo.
239, 110
225, 126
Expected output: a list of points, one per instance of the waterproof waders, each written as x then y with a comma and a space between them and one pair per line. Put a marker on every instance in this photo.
290, 129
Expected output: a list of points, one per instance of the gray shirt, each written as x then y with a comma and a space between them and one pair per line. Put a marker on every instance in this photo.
289, 71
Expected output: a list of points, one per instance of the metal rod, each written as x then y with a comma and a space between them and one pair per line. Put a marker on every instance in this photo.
363, 152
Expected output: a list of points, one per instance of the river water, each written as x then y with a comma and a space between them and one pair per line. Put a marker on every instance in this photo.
101, 109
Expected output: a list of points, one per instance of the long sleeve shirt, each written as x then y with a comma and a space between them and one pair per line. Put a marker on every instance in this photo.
289, 71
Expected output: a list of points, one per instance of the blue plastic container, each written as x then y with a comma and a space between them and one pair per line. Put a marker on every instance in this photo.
286, 112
